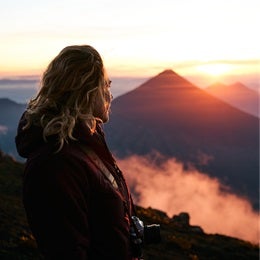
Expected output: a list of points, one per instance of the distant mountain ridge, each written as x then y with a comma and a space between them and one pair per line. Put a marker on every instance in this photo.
170, 115
17, 81
238, 95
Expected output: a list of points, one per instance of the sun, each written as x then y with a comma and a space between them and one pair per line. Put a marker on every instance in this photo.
216, 69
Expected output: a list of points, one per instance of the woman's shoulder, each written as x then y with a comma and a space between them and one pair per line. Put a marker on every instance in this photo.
50, 162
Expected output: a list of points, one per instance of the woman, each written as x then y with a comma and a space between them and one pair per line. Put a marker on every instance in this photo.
76, 199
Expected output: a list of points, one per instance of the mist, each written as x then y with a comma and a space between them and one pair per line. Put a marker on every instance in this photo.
172, 189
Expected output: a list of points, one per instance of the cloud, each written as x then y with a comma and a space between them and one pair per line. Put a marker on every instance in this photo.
171, 188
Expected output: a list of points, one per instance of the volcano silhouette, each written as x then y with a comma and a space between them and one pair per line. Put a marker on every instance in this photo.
172, 116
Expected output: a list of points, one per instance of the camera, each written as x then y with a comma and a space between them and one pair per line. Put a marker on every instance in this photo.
143, 234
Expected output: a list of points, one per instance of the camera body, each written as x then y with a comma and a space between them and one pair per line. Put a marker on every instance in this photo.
143, 234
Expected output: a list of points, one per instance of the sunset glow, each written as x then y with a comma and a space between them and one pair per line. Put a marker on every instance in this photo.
215, 69
136, 38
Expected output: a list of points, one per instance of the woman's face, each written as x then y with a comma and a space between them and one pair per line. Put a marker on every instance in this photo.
103, 102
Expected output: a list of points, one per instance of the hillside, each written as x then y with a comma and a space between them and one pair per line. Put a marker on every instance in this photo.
238, 95
170, 115
179, 239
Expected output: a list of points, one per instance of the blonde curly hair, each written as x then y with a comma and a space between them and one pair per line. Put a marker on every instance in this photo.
69, 89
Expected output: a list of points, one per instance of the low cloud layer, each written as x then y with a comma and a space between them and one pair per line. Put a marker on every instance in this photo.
172, 189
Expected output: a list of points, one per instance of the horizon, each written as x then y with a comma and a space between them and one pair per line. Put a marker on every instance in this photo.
252, 83
22, 89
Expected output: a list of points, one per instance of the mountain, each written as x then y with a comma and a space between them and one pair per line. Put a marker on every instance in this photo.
238, 95
9, 118
180, 240
170, 115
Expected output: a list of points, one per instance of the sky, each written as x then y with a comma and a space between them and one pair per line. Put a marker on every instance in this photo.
140, 38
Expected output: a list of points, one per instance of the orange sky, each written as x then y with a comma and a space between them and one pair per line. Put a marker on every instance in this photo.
136, 38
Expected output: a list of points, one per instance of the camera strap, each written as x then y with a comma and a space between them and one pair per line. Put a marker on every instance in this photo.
99, 164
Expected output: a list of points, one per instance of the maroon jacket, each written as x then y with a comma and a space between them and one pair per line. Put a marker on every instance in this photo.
73, 210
